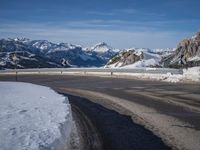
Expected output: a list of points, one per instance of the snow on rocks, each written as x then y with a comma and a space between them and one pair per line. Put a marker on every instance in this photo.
142, 63
33, 117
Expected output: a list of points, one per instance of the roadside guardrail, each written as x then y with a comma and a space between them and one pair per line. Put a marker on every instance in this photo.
92, 70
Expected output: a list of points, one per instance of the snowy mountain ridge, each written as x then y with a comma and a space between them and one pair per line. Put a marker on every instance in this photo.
101, 54
74, 55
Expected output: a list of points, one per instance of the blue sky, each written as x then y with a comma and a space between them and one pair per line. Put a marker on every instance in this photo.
120, 23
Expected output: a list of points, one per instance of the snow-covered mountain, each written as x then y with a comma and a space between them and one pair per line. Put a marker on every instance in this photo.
60, 54
138, 57
102, 50
42, 53
16, 53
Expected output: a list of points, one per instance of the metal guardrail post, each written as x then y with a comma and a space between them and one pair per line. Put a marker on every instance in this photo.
199, 74
16, 78
85, 73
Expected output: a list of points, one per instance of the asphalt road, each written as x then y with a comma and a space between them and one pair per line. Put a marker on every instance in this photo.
169, 110
109, 130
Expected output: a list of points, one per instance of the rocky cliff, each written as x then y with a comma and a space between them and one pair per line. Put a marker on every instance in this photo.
189, 48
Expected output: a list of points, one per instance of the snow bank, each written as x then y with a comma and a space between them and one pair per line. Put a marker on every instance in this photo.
168, 77
192, 73
33, 117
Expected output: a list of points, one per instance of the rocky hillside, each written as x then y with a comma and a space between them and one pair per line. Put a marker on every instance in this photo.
192, 46
125, 58
170, 58
24, 59
17, 54
138, 57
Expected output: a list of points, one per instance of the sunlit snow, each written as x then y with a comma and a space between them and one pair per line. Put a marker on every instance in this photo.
32, 117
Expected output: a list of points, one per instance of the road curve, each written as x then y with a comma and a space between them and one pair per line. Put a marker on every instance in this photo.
171, 111
116, 131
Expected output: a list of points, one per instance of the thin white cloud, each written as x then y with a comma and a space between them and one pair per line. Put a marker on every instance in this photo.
158, 25
128, 11
101, 13
88, 37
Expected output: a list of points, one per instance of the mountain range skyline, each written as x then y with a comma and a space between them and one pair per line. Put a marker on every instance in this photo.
83, 46
26, 53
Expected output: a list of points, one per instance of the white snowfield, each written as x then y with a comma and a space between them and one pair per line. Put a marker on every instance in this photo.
33, 117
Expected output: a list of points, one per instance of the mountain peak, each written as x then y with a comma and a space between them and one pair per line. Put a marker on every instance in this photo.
101, 44
22, 39
101, 47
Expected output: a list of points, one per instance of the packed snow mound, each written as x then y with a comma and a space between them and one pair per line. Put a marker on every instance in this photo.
33, 117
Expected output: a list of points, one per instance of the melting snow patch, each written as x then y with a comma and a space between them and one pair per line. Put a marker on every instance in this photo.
173, 78
33, 117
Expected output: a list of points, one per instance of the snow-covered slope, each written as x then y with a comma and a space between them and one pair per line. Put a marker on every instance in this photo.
32, 117
24, 59
143, 63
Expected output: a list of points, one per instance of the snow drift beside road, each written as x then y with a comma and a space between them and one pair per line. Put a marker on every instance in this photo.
33, 117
